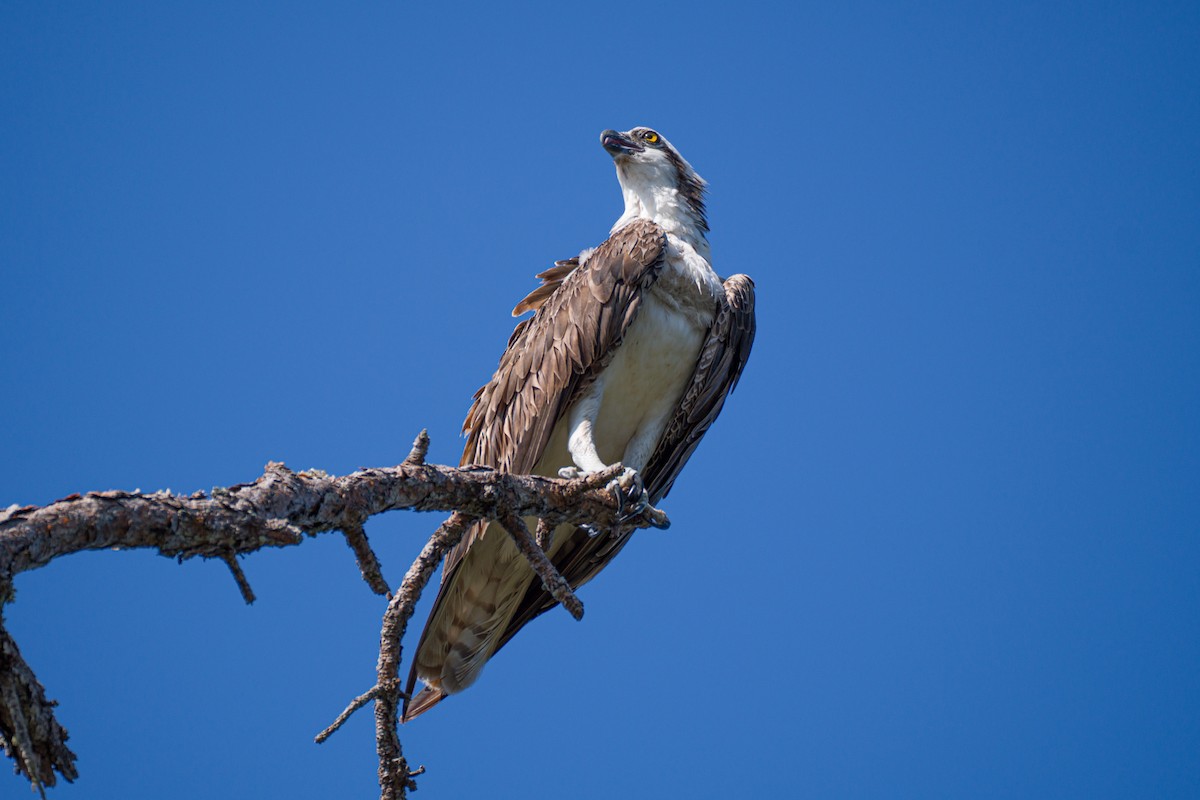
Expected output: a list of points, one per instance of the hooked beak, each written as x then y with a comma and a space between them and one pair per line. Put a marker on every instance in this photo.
618, 144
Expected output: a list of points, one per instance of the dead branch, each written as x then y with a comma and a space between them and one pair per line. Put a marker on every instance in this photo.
395, 778
545, 535
29, 733
553, 582
279, 509
368, 562
239, 577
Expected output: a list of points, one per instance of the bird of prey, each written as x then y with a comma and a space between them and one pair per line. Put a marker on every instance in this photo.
629, 356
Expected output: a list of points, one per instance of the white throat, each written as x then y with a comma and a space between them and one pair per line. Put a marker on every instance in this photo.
651, 194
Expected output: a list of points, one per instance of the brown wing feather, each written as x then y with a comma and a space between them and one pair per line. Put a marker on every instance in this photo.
722, 358
582, 313
555, 355
551, 280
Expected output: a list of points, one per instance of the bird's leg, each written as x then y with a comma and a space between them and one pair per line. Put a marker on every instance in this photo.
582, 441
627, 488
637, 454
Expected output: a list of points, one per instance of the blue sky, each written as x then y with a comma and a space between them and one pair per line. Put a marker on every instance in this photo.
943, 541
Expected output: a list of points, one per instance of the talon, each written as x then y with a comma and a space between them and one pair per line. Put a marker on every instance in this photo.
614, 488
642, 503
638, 487
635, 497
631, 502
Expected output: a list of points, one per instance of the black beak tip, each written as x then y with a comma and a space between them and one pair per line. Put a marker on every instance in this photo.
617, 143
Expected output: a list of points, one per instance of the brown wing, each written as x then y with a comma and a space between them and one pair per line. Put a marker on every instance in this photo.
718, 371
722, 358
551, 280
582, 313
554, 356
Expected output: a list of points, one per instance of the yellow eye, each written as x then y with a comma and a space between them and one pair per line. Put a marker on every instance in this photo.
651, 137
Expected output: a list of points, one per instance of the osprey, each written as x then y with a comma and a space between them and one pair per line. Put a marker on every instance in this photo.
628, 358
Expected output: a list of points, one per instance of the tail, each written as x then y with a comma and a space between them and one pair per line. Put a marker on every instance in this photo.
470, 615
426, 699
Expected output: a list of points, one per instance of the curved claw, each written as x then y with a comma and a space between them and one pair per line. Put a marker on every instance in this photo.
631, 502
639, 505
614, 488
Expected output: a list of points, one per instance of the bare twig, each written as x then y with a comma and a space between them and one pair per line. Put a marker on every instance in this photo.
553, 582
395, 779
354, 705
29, 733
420, 447
243, 585
368, 562
545, 535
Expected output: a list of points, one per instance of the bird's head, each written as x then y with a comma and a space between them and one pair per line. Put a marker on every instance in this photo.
657, 182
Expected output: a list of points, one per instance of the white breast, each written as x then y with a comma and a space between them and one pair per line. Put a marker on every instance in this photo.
639, 389
644, 382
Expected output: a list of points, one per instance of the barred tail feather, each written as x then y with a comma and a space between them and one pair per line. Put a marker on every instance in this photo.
426, 699
470, 615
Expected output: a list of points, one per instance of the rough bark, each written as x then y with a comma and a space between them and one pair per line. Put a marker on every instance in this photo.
279, 509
